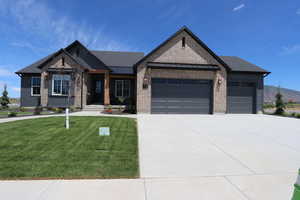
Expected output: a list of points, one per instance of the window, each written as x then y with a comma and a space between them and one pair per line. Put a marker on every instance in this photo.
122, 88
183, 42
63, 61
60, 84
35, 86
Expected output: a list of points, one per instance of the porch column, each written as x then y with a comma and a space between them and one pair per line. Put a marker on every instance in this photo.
106, 89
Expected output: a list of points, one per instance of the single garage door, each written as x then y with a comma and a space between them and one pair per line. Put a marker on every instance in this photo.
181, 96
241, 97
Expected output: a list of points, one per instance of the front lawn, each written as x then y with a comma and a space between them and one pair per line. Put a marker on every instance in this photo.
43, 148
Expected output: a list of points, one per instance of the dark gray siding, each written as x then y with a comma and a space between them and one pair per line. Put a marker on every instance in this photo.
60, 101
26, 99
256, 78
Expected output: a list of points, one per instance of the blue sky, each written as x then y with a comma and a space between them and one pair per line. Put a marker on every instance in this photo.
266, 33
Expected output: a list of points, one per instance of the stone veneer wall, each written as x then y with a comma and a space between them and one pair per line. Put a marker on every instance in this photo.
75, 85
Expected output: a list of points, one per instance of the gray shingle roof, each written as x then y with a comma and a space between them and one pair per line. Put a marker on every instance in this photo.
34, 68
123, 62
182, 66
237, 64
116, 58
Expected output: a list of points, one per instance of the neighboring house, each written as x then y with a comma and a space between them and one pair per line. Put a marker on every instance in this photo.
182, 75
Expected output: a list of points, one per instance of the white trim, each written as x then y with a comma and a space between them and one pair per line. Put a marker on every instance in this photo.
60, 94
31, 86
122, 88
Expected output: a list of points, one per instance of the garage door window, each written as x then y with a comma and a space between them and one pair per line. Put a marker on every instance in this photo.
241, 84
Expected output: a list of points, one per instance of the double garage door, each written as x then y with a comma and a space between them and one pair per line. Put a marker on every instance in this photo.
181, 96
241, 97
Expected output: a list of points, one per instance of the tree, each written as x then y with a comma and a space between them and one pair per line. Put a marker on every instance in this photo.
4, 99
280, 106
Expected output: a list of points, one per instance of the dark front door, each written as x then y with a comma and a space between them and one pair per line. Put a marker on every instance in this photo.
182, 96
97, 91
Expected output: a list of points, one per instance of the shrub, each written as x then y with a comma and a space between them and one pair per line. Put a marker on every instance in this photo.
298, 115
4, 100
37, 110
58, 110
12, 114
22, 109
294, 114
280, 106
269, 105
72, 109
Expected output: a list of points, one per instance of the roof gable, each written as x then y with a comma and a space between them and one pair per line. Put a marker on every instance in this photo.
83, 55
205, 57
65, 53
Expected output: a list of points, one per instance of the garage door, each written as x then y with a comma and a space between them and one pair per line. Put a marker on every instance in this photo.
181, 96
241, 97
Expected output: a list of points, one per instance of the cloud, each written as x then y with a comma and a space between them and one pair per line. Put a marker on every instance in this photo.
28, 45
43, 22
5, 72
238, 7
290, 49
174, 12
298, 12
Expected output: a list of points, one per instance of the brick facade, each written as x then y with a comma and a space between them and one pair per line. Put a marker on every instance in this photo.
173, 52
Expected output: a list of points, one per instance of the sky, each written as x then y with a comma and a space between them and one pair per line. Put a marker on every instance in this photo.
264, 32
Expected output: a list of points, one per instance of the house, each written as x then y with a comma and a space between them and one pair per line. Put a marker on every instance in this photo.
181, 75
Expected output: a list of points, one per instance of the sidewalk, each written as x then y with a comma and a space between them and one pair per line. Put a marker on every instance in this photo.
80, 113
259, 187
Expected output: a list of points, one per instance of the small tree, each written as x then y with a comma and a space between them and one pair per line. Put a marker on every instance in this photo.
4, 99
280, 106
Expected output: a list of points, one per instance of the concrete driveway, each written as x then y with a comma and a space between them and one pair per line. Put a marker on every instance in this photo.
207, 157
256, 156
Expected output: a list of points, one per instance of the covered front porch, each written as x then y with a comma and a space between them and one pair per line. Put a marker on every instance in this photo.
104, 88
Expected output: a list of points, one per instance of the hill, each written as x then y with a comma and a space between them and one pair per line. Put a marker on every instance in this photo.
288, 94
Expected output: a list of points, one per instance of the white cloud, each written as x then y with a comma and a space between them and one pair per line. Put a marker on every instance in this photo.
5, 72
174, 12
28, 45
290, 49
239, 7
37, 18
298, 12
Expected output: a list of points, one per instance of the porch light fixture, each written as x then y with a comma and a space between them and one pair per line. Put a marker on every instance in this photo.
219, 81
145, 82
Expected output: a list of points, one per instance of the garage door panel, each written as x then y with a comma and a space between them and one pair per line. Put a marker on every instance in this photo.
241, 98
181, 96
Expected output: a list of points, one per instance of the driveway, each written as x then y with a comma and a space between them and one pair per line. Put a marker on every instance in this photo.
207, 157
256, 156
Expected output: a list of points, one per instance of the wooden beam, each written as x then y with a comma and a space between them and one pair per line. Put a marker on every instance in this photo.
122, 76
106, 89
98, 71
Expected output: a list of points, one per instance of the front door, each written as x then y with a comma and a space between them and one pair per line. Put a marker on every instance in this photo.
98, 91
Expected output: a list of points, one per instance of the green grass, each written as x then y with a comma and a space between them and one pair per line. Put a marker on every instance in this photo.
43, 148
